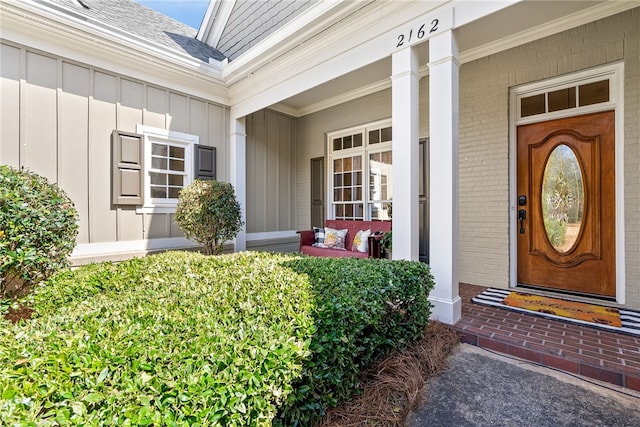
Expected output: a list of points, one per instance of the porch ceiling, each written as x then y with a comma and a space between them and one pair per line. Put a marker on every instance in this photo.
514, 25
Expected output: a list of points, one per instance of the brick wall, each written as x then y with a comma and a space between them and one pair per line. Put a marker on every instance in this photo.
631, 27
484, 138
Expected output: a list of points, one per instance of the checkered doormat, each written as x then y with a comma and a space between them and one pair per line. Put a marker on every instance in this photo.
562, 309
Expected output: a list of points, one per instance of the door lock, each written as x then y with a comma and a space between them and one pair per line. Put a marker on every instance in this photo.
522, 200
522, 215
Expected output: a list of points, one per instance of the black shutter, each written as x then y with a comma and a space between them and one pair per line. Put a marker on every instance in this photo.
127, 178
205, 162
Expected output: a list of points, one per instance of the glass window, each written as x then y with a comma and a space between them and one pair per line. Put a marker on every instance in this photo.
562, 99
348, 141
385, 134
380, 168
532, 105
374, 136
594, 93
168, 165
362, 178
167, 173
347, 187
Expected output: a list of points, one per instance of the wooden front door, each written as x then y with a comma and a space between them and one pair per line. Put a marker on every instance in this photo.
565, 208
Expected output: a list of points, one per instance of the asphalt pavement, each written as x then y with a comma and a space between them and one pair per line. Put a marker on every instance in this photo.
481, 388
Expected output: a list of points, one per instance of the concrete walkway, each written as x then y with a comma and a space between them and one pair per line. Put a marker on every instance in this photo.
481, 388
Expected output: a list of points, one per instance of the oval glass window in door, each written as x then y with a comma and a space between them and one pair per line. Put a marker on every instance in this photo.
562, 198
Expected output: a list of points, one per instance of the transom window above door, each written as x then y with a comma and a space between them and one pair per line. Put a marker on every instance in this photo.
584, 92
360, 173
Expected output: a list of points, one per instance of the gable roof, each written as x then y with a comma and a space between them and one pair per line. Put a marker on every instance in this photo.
235, 26
132, 17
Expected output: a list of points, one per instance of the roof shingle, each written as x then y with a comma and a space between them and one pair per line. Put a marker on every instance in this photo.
153, 26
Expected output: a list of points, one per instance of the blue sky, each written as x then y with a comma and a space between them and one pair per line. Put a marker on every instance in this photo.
190, 12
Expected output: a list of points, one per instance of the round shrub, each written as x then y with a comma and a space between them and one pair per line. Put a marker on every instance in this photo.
209, 213
38, 229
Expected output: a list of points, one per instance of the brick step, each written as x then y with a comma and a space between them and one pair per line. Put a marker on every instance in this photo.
602, 355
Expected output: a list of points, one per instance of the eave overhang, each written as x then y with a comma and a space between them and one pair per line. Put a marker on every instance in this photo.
303, 59
75, 37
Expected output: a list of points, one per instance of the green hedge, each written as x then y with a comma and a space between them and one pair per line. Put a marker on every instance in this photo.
363, 309
174, 339
184, 339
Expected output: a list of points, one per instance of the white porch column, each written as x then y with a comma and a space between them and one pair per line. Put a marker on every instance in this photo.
239, 175
404, 111
443, 170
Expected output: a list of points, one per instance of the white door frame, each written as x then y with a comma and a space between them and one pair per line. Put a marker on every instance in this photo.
615, 73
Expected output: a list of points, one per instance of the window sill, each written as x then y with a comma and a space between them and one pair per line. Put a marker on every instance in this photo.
156, 210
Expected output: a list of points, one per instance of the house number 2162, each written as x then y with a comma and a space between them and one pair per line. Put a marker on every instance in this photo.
422, 31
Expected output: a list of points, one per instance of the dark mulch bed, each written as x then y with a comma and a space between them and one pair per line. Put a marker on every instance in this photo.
393, 388
21, 313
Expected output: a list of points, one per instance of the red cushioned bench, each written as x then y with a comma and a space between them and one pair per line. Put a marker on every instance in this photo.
307, 239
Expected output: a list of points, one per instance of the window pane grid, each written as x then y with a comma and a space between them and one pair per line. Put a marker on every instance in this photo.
361, 184
347, 142
380, 195
565, 99
380, 211
167, 173
348, 211
347, 188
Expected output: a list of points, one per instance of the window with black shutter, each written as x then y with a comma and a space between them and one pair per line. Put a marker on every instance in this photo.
128, 168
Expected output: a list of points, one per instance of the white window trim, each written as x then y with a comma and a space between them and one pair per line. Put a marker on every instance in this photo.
364, 150
151, 134
615, 73
611, 72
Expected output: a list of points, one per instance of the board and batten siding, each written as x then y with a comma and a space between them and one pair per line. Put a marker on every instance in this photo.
57, 119
271, 157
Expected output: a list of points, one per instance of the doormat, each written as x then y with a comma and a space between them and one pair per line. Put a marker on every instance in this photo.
610, 318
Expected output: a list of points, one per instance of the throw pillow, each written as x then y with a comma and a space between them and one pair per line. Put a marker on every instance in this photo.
319, 237
334, 238
361, 241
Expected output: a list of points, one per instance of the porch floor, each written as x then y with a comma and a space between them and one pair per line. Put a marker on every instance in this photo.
594, 353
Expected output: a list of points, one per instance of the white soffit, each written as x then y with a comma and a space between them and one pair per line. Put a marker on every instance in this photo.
355, 41
504, 28
528, 21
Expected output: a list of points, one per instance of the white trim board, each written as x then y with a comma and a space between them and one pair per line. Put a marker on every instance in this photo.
130, 246
88, 250
266, 235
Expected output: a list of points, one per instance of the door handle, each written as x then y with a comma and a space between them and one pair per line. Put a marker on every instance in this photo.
522, 215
